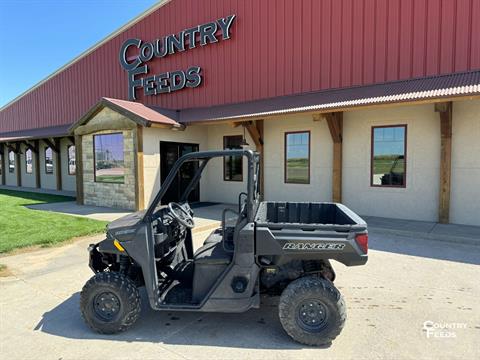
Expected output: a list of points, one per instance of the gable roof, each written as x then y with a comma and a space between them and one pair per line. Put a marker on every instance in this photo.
141, 114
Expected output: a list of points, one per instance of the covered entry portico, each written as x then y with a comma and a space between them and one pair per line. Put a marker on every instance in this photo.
110, 150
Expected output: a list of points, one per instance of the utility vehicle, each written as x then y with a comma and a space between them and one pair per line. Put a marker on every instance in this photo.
271, 249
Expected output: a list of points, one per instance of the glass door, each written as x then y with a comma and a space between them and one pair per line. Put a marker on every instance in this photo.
170, 152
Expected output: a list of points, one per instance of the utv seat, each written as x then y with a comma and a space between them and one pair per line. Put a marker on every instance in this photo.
210, 261
216, 237
213, 253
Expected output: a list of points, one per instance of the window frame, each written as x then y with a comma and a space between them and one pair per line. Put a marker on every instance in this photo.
10, 170
372, 137
45, 159
224, 159
285, 156
95, 159
26, 163
68, 160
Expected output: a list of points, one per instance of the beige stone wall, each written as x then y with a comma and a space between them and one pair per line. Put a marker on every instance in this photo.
48, 181
465, 192
68, 181
2, 165
320, 187
10, 178
109, 194
419, 199
214, 188
219, 190
151, 155
28, 180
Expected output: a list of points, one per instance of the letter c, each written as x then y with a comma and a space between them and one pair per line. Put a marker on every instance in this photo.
123, 54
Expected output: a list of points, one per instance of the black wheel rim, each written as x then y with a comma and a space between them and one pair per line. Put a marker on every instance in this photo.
106, 306
312, 315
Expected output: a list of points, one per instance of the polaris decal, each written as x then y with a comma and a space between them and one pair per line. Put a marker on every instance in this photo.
125, 232
312, 246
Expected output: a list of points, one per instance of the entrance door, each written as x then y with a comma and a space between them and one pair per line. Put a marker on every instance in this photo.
169, 154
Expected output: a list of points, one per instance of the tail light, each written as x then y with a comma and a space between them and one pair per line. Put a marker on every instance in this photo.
362, 242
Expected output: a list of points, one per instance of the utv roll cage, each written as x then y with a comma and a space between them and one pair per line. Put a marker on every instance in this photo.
203, 157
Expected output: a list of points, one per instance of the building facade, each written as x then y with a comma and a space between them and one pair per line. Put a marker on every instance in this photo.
375, 104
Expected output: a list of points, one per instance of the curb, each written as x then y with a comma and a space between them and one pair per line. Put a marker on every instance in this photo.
426, 236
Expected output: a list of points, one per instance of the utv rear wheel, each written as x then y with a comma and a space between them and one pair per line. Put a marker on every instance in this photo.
312, 311
110, 303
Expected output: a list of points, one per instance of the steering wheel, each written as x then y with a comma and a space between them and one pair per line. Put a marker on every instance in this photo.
181, 215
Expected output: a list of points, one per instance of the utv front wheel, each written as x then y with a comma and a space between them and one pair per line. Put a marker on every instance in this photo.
110, 303
312, 311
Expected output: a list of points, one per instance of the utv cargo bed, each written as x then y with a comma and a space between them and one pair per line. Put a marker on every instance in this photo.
295, 229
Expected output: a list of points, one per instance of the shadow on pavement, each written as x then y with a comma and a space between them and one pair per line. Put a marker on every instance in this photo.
72, 208
433, 249
255, 329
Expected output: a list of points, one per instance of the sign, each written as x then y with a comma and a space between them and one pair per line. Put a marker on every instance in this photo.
168, 82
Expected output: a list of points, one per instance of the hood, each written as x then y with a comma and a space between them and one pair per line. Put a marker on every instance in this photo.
126, 221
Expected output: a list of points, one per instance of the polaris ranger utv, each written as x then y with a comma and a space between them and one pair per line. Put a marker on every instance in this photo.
272, 248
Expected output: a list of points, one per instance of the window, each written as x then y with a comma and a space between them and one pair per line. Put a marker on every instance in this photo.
232, 165
71, 159
109, 164
28, 161
297, 157
49, 160
11, 162
389, 147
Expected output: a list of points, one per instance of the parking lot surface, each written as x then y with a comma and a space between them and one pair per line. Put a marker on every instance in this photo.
414, 299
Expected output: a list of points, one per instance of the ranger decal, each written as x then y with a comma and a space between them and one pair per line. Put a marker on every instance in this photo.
312, 246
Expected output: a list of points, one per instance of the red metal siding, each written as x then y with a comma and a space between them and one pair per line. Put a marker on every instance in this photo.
278, 47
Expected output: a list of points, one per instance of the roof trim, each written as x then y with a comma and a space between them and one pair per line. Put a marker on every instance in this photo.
169, 120
353, 104
34, 134
431, 89
89, 50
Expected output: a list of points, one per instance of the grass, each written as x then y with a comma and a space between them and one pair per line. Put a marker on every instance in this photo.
297, 170
119, 179
385, 165
22, 227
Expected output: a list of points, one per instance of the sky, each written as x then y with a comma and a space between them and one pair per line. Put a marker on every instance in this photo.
39, 36
389, 141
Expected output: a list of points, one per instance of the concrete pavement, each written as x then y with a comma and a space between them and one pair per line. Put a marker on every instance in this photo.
405, 283
208, 217
91, 212
464, 234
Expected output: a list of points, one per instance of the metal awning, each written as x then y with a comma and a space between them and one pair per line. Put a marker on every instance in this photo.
427, 88
32, 134
434, 88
